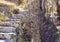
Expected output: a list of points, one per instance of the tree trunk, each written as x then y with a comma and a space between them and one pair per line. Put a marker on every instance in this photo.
44, 29
34, 9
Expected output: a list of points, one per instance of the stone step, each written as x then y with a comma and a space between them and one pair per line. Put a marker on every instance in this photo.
7, 30
11, 22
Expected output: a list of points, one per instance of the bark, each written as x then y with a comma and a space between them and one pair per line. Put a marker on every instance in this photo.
58, 13
45, 28
34, 9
